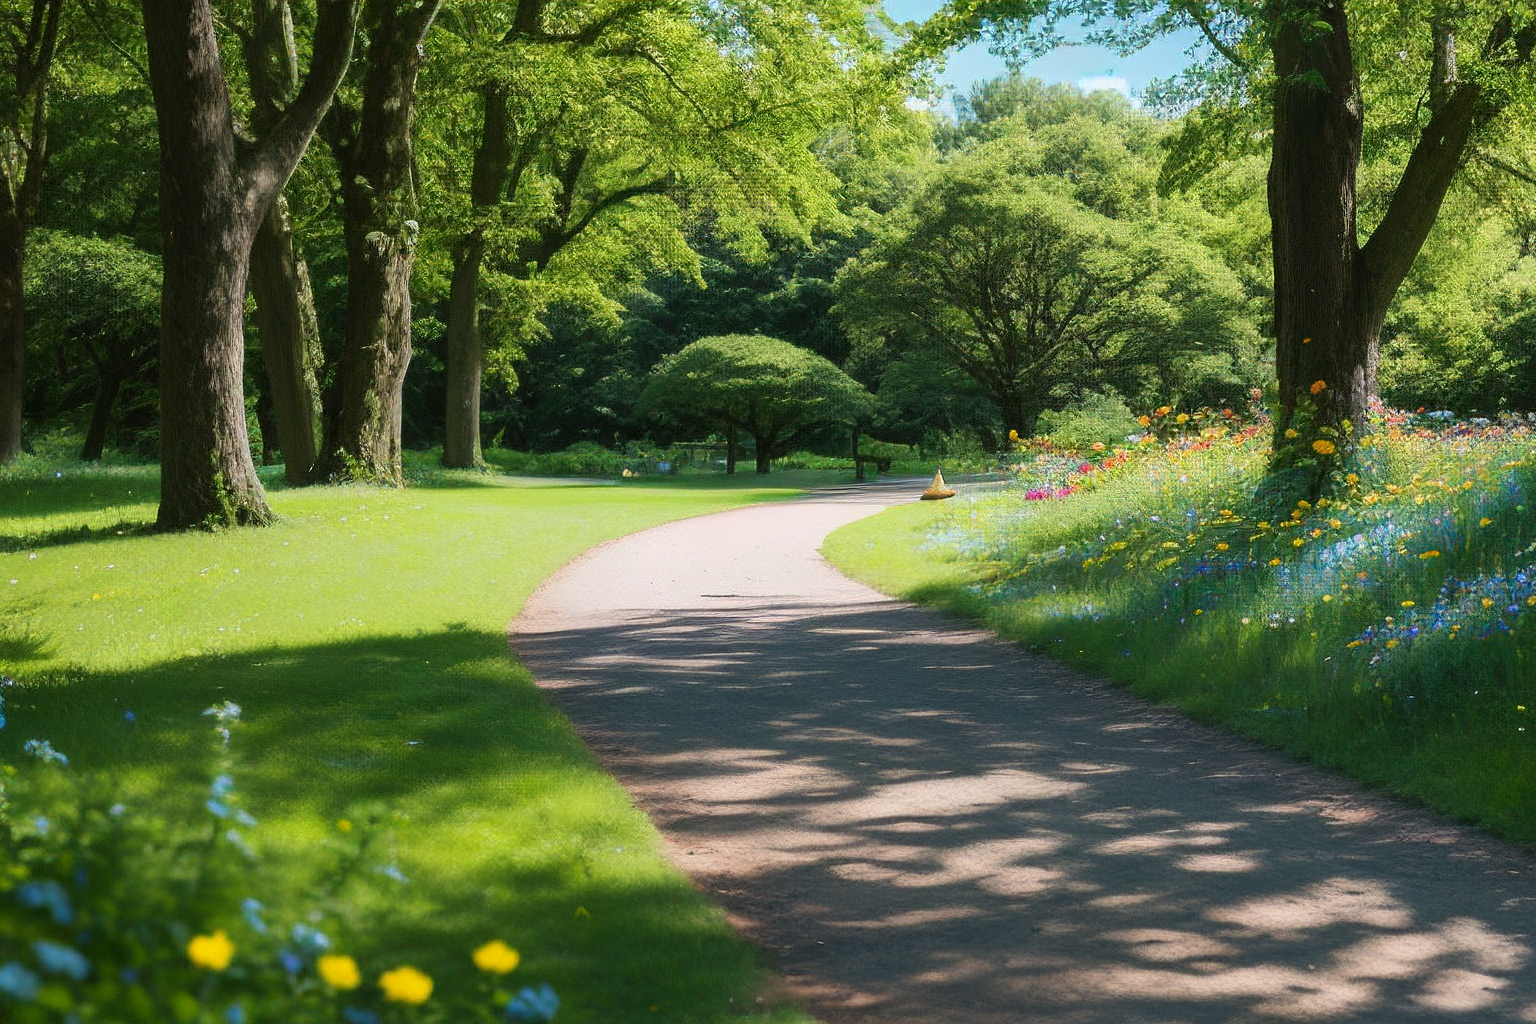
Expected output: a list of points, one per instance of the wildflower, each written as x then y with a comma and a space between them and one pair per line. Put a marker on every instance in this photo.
1351, 478
1145, 421
1164, 410
44, 752
57, 958
1013, 435
1428, 555
18, 982
355, 1015
1291, 432
1318, 387
406, 985
50, 896
1485, 521
1327, 598
1181, 418
339, 972
496, 957
533, 1005
1323, 447
1223, 546
1306, 341
211, 951
1407, 604
1298, 542
1274, 561
343, 825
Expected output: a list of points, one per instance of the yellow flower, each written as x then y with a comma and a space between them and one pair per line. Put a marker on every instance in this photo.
406, 985
1182, 417
339, 972
1274, 561
1485, 521
1351, 479
1263, 524
1145, 421
1290, 433
1013, 435
1318, 387
1323, 447
344, 825
1335, 523
1391, 644
496, 957
1199, 611
211, 951
1098, 446
1298, 542
1222, 546
1407, 604
1327, 598
1429, 554
1306, 341
1165, 410
1487, 602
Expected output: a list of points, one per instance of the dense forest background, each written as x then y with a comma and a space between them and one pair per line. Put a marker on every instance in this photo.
643, 189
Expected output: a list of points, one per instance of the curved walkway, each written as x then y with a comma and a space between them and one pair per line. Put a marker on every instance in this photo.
923, 823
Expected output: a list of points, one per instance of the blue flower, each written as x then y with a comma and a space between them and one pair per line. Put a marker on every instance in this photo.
353, 1015
223, 785
291, 961
251, 909
310, 940
44, 752
18, 982
235, 1014
48, 896
57, 958
533, 1005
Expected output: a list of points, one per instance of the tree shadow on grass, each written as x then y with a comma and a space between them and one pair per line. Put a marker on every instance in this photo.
487, 802
927, 824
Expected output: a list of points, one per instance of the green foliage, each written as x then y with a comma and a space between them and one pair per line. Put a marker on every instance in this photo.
769, 388
1010, 267
1092, 418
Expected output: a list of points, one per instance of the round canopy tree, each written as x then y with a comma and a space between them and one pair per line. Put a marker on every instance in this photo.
769, 388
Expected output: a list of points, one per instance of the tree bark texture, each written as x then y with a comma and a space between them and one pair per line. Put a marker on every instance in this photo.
373, 151
461, 437
1332, 294
285, 305
33, 42
13, 328
290, 339
101, 417
213, 196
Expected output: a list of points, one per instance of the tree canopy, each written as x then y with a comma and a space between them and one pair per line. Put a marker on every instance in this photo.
771, 389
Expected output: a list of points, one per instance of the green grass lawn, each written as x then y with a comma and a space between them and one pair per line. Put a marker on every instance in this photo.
1389, 634
364, 635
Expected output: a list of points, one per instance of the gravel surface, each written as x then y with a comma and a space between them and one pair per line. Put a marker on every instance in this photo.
920, 822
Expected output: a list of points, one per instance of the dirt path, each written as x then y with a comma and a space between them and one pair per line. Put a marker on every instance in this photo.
923, 823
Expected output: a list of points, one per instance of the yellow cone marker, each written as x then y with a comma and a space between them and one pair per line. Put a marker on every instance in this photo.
938, 490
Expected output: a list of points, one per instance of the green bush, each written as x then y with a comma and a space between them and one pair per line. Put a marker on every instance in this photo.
1094, 417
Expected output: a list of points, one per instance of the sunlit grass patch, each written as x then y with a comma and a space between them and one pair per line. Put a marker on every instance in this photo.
364, 637
1386, 630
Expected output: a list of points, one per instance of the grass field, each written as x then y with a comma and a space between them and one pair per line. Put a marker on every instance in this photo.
1388, 632
364, 637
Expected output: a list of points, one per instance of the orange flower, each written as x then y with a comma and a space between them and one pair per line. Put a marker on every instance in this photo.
1323, 447
1318, 387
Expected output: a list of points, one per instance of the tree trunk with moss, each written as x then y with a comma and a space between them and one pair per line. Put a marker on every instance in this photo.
373, 151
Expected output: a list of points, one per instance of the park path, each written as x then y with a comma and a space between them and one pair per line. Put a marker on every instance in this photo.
922, 823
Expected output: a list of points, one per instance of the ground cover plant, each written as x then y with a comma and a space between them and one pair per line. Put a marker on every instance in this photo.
1386, 631
416, 800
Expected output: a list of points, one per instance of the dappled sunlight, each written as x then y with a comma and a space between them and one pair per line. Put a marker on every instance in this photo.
921, 823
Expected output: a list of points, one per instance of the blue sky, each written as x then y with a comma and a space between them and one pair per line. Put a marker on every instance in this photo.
1087, 66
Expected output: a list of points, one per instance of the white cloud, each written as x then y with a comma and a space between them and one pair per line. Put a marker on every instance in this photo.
1105, 83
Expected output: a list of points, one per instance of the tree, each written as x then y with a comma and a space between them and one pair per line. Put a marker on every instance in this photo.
102, 299
647, 113
26, 72
285, 302
1310, 69
372, 144
1001, 268
768, 388
214, 191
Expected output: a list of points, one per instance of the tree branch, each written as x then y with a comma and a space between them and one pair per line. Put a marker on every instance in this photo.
1204, 24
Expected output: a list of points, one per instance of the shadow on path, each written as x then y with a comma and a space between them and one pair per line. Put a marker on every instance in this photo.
926, 824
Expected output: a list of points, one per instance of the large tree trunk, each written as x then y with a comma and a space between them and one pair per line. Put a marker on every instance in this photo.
763, 450
101, 416
461, 437
290, 339
13, 330
206, 473
213, 196
379, 196
461, 434
1332, 294
1323, 324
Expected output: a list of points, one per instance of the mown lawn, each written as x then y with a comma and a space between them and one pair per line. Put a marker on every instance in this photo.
364, 637
1388, 632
